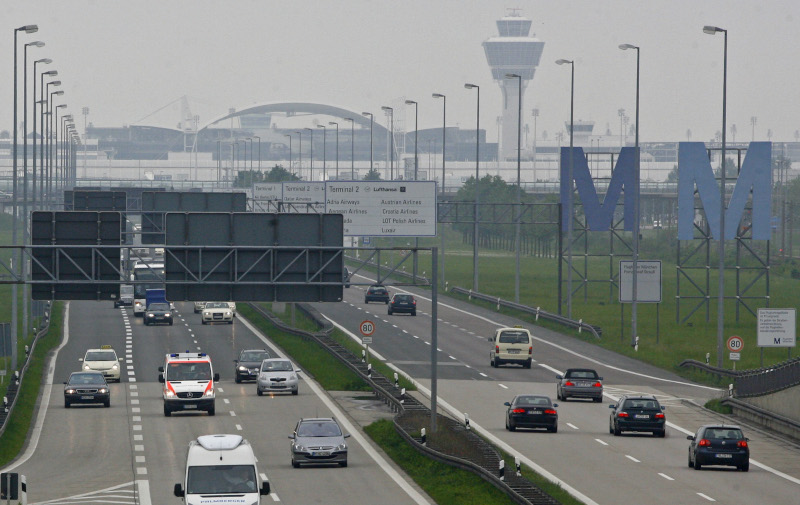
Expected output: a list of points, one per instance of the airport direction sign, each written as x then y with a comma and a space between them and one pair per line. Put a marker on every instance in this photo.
304, 197
777, 328
648, 281
384, 208
267, 191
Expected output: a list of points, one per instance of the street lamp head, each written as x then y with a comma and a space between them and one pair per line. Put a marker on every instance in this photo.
470, 86
46, 61
711, 30
411, 102
366, 114
625, 47
438, 95
512, 76
562, 62
57, 93
51, 73
349, 119
299, 133
320, 126
309, 129
535, 112
333, 123
54, 83
29, 28
38, 43
60, 105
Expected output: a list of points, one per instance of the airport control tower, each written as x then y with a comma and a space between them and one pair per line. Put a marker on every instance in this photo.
513, 52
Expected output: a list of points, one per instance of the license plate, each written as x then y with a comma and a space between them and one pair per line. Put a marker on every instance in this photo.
87, 397
724, 455
534, 412
584, 384
321, 453
513, 351
641, 416
190, 406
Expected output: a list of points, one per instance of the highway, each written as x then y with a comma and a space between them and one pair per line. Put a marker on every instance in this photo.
132, 453
601, 468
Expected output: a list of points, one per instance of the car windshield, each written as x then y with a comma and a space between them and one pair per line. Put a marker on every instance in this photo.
159, 306
542, 401
724, 433
319, 429
200, 371
221, 479
217, 305
254, 356
78, 379
640, 404
100, 356
581, 374
276, 366
513, 337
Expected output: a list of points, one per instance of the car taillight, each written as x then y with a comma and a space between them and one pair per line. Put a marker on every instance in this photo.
497, 349
518, 411
704, 443
550, 411
597, 384
623, 414
659, 416
569, 383
741, 443
414, 302
530, 350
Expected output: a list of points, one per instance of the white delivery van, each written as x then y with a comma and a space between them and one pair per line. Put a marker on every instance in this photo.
221, 469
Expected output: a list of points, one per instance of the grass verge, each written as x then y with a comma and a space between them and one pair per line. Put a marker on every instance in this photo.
13, 439
717, 406
447, 485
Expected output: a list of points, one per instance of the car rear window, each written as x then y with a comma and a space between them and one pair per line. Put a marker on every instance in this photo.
640, 404
724, 433
403, 298
513, 337
581, 374
533, 400
378, 291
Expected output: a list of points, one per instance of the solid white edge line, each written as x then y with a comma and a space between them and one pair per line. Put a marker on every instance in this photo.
341, 417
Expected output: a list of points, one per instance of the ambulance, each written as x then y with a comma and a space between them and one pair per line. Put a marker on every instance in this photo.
188, 380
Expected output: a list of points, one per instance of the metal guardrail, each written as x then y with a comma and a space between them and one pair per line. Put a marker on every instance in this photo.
485, 459
710, 369
580, 325
767, 380
14, 385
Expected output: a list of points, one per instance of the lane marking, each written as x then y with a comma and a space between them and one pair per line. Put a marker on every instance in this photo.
274, 497
665, 476
706, 497
572, 426
239, 427
600, 441
483, 374
233, 414
632, 458
503, 386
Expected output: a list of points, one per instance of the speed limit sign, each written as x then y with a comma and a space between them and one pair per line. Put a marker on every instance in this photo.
367, 328
735, 344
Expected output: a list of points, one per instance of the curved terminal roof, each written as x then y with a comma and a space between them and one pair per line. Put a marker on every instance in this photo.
306, 108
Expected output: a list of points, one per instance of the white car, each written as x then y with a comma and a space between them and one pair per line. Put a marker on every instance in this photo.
232, 305
102, 360
277, 375
199, 306
217, 312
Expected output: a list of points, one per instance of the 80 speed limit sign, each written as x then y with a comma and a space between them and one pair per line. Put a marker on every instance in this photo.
367, 328
735, 344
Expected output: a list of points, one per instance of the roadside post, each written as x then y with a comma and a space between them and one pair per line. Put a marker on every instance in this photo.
367, 328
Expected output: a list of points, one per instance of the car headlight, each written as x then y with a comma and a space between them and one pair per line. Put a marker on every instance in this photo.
341, 447
102, 391
86, 367
206, 314
168, 393
70, 391
115, 366
150, 315
210, 392
293, 377
299, 448
227, 313
242, 368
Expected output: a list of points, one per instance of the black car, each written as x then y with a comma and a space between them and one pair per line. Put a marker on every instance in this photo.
86, 387
637, 413
158, 313
719, 445
376, 293
402, 303
531, 411
248, 364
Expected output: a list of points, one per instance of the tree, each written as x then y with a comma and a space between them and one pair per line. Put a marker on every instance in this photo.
372, 175
280, 174
246, 178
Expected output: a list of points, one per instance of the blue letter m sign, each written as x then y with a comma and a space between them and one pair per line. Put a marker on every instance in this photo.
599, 216
694, 168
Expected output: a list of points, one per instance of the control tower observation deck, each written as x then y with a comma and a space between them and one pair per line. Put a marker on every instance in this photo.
513, 52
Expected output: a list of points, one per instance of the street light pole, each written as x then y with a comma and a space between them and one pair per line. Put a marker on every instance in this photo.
334, 123
518, 231
371, 122
33, 171
259, 150
569, 181
311, 153
352, 145
477, 186
444, 143
324, 151
290, 152
53, 136
299, 153
390, 111
416, 164
711, 30
636, 223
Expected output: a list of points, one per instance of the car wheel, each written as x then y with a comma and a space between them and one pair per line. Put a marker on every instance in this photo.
116, 305
527, 364
295, 392
512, 427
230, 322
610, 427
691, 465
259, 392
343, 464
554, 429
599, 399
414, 313
203, 321
170, 323
167, 412
745, 467
389, 312
617, 431
295, 464
237, 380
212, 411
697, 465
662, 433
66, 404
386, 302
107, 403
365, 300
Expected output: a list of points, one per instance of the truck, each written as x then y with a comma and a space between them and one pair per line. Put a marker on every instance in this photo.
155, 295
125, 298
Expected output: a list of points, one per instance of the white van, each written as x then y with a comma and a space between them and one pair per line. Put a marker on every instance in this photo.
221, 469
188, 380
511, 345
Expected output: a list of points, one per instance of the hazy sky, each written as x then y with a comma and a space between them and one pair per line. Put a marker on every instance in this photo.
127, 59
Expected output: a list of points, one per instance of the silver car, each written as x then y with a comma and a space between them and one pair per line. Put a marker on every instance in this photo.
580, 383
277, 375
318, 441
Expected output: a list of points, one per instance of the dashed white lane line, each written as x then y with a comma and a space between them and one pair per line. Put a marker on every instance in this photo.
138, 438
632, 458
451, 357
427, 343
665, 476
572, 426
140, 459
415, 336
706, 497
239, 427
274, 497
503, 386
483, 374
233, 414
600, 441
226, 400
141, 470
138, 448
